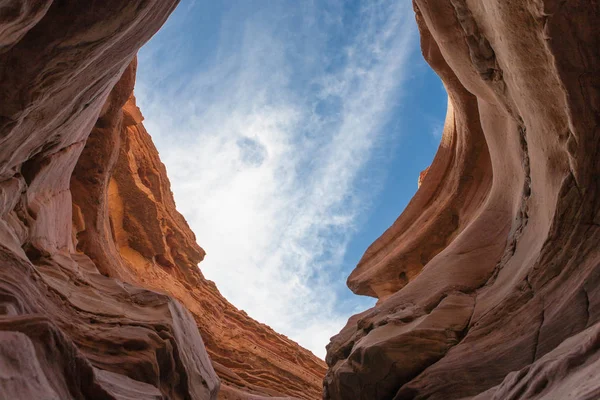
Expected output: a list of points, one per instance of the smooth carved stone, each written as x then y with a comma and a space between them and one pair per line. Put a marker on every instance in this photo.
506, 214
398, 348
569, 371
93, 253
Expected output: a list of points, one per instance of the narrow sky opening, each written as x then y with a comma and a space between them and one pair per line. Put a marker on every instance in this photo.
293, 134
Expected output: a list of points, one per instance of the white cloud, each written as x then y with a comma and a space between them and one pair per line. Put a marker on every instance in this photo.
263, 145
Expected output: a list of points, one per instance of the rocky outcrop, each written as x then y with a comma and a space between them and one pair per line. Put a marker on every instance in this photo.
67, 331
97, 268
125, 220
488, 281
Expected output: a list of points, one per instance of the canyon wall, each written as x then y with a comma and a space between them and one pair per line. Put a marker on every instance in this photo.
100, 294
125, 221
488, 284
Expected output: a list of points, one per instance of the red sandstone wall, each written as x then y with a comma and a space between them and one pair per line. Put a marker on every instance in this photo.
89, 235
488, 283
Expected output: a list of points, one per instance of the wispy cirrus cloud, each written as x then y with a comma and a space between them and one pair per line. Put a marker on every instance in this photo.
264, 132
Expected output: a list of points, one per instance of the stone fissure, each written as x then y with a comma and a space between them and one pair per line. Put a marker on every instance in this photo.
587, 306
536, 341
480, 50
522, 217
483, 58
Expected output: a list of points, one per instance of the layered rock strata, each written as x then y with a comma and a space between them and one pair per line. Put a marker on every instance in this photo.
488, 283
125, 220
96, 265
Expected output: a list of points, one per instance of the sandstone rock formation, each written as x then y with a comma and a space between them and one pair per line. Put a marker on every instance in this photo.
489, 281
123, 205
91, 246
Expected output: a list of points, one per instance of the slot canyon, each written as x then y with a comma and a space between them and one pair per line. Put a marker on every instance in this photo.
487, 284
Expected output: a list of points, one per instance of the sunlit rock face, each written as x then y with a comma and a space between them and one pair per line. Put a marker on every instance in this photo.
125, 221
100, 294
489, 281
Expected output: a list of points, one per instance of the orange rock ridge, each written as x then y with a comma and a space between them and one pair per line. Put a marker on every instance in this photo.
155, 248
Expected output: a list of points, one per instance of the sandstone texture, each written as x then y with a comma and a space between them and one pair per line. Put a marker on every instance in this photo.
122, 204
489, 281
100, 294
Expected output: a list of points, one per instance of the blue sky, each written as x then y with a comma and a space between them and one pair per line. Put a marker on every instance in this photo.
293, 133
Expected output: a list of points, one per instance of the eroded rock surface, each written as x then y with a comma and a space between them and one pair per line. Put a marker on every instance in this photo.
97, 268
125, 220
488, 283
